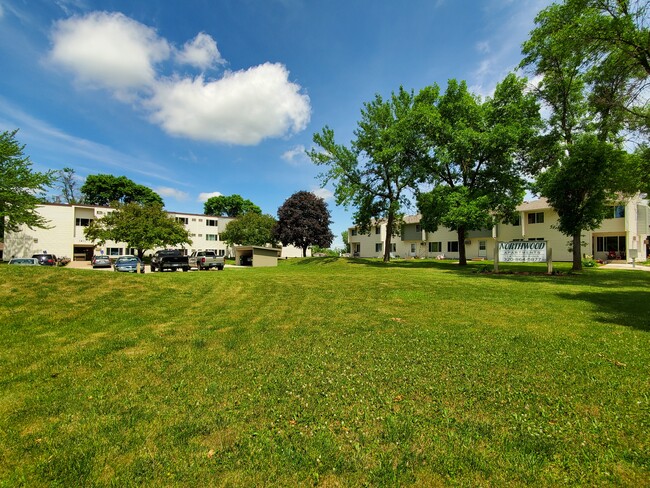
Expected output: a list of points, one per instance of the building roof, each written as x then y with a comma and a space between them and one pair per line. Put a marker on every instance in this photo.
540, 204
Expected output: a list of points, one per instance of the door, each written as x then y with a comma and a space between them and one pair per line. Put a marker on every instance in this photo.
482, 249
413, 249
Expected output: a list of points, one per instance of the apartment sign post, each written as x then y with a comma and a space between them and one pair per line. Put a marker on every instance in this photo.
523, 252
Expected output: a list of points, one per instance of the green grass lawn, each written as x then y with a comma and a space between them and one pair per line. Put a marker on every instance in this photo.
326, 372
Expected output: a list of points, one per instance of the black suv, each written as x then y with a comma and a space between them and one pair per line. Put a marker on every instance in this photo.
45, 259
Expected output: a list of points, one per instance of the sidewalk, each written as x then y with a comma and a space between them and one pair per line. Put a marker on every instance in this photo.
638, 267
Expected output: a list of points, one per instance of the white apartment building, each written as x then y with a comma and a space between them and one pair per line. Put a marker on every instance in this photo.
65, 234
627, 228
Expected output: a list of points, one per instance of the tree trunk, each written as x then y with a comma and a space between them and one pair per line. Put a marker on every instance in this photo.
304, 251
389, 234
577, 252
141, 254
462, 256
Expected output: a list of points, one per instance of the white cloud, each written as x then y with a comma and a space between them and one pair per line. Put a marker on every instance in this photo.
203, 197
108, 49
243, 107
483, 47
165, 191
201, 52
323, 193
296, 155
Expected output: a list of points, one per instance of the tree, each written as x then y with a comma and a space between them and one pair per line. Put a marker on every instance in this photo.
142, 227
478, 155
251, 229
580, 200
376, 172
229, 206
21, 189
304, 220
605, 46
69, 186
107, 190
591, 57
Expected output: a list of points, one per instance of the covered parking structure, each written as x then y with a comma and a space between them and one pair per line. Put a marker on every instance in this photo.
257, 256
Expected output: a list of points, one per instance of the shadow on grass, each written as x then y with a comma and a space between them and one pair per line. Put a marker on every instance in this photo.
521, 272
627, 308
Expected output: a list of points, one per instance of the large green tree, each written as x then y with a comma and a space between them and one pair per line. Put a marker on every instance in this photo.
304, 220
229, 206
251, 229
478, 155
591, 58
143, 227
21, 188
105, 190
376, 173
582, 202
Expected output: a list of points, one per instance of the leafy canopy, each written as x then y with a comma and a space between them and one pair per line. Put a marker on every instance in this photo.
105, 190
251, 229
304, 220
142, 227
374, 175
21, 189
479, 150
229, 206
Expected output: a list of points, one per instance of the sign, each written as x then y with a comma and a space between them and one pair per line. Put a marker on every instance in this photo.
522, 252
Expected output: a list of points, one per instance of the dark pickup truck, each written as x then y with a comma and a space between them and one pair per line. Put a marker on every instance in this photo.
169, 259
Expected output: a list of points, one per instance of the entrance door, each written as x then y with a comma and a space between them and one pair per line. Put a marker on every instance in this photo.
413, 249
482, 249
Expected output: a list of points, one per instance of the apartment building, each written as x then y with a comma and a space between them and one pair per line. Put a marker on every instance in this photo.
65, 234
627, 228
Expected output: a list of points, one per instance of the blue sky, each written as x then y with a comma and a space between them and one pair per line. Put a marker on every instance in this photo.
195, 98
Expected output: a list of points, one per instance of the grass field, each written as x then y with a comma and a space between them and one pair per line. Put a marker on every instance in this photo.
326, 372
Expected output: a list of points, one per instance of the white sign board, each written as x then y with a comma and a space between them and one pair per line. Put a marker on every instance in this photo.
522, 252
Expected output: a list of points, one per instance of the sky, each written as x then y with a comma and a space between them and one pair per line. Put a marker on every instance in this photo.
197, 98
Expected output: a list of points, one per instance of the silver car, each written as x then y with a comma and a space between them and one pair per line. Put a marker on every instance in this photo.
24, 261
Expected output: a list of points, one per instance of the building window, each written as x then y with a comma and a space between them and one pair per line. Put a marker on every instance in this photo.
393, 247
377, 230
379, 247
536, 218
619, 212
211, 222
114, 251
418, 228
221, 252
536, 239
211, 237
452, 246
610, 243
353, 232
435, 247
83, 222
183, 220
200, 235
193, 220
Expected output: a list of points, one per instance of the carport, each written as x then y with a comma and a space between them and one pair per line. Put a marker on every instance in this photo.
256, 256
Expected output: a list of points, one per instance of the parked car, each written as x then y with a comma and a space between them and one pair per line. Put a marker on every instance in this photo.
128, 264
169, 259
24, 261
45, 259
101, 262
206, 260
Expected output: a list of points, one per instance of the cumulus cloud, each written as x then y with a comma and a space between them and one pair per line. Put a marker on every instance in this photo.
323, 193
108, 49
166, 191
201, 52
243, 107
204, 197
295, 155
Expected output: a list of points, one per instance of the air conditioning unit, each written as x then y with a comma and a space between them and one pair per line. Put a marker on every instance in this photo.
467, 242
